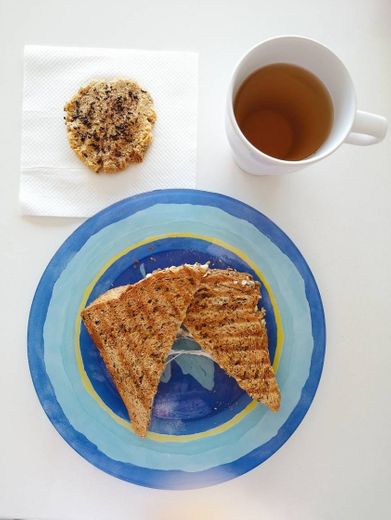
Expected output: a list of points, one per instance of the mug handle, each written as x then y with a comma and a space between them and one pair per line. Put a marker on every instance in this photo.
367, 129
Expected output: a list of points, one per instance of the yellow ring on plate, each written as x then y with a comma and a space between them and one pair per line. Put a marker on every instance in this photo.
160, 437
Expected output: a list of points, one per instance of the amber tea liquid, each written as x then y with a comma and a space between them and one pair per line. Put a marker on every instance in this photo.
285, 111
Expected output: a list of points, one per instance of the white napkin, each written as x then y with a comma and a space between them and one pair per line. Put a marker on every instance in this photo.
53, 180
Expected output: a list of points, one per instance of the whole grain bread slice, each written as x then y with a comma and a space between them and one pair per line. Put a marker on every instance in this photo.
134, 328
225, 321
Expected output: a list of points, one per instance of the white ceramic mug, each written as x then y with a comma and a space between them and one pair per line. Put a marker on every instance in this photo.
349, 126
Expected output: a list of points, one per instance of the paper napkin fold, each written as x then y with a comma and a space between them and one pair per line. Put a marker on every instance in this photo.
53, 181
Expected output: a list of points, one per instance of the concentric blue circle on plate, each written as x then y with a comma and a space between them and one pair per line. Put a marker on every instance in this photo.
204, 428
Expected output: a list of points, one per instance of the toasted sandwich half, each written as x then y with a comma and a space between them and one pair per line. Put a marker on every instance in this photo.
225, 321
134, 327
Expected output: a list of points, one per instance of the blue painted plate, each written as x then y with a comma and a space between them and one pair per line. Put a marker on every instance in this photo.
204, 428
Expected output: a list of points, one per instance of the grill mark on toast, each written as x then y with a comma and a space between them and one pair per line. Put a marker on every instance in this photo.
117, 365
124, 338
233, 331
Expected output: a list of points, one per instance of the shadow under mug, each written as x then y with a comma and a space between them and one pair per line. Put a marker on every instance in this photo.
349, 125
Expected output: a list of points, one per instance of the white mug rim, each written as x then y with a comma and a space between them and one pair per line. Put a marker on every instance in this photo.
258, 152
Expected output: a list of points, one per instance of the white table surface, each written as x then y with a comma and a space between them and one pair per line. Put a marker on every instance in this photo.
338, 212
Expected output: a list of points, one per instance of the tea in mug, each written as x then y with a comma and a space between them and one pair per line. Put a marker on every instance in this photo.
285, 111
